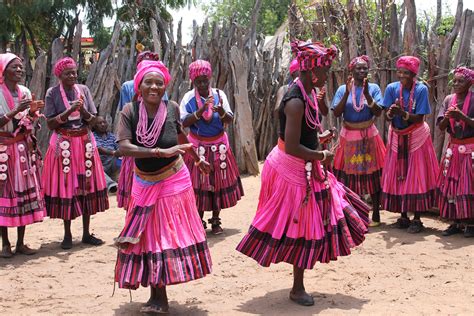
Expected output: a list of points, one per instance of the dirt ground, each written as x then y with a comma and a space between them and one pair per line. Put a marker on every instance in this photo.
391, 273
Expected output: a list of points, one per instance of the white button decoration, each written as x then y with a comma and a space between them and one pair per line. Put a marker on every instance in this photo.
202, 151
33, 157
25, 172
3, 148
21, 147
3, 157
222, 157
449, 152
88, 155
3, 176
213, 148
66, 161
223, 165
222, 148
88, 173
66, 153
89, 146
22, 159
88, 163
66, 169
308, 166
64, 145
202, 158
462, 149
3, 168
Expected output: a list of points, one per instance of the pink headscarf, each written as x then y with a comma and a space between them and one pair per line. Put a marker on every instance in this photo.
5, 59
466, 73
311, 55
411, 63
147, 55
62, 64
148, 66
200, 68
294, 66
357, 60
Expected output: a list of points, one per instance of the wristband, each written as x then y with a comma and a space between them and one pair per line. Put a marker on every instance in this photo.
195, 115
372, 104
406, 116
325, 155
157, 152
390, 117
223, 115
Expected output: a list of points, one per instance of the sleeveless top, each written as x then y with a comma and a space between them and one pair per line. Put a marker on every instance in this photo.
167, 139
309, 136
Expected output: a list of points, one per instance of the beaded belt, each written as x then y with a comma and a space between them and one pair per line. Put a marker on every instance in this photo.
161, 174
69, 132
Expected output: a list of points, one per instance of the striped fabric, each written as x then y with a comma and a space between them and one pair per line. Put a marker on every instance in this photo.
125, 180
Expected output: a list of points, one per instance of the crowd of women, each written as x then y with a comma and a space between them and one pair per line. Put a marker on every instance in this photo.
170, 177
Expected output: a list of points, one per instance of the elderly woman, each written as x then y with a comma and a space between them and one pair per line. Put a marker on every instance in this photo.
73, 177
411, 167
456, 177
304, 214
205, 111
21, 199
360, 153
163, 241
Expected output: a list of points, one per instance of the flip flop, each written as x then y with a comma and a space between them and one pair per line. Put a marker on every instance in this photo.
374, 224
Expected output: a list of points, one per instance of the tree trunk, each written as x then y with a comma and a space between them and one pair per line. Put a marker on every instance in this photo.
462, 55
409, 34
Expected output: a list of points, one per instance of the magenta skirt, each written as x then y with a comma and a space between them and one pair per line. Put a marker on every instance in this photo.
73, 177
125, 182
163, 241
222, 187
21, 198
285, 229
359, 159
456, 181
410, 171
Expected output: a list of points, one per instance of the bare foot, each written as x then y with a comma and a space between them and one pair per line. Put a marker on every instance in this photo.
6, 252
301, 298
25, 250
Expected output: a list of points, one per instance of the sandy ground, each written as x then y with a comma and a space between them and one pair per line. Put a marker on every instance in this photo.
391, 273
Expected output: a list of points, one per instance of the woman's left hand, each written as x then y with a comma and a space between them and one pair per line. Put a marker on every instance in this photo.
321, 94
205, 167
455, 113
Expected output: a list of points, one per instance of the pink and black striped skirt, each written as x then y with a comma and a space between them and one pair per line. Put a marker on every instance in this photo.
73, 177
163, 241
359, 159
222, 187
21, 198
125, 181
285, 229
410, 170
456, 181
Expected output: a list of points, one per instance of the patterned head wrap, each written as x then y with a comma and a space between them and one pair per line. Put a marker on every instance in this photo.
62, 64
294, 66
148, 66
5, 59
200, 68
357, 60
311, 55
147, 55
411, 63
466, 73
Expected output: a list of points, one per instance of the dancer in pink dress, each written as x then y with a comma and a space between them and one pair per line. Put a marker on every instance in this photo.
410, 170
456, 176
205, 111
360, 153
21, 199
163, 241
304, 214
73, 178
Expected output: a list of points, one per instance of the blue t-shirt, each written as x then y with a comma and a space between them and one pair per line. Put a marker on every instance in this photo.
421, 103
127, 92
202, 128
351, 115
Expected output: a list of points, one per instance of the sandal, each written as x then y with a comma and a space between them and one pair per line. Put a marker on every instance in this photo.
92, 240
452, 230
416, 226
25, 250
204, 224
216, 225
6, 252
402, 223
374, 224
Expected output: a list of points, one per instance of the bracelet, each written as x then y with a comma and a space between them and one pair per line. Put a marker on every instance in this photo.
91, 117
223, 115
195, 115
7, 117
157, 152
390, 117
59, 119
372, 104
406, 116
325, 155
197, 163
